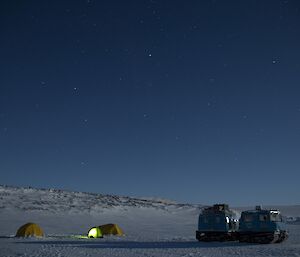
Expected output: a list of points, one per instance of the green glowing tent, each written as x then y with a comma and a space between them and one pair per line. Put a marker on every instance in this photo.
95, 232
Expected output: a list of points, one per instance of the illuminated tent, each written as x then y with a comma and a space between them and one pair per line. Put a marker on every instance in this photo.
30, 229
107, 229
95, 232
111, 229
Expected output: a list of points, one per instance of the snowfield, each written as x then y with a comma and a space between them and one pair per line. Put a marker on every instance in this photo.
152, 227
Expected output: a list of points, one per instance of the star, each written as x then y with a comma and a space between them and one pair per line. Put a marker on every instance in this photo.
275, 60
211, 80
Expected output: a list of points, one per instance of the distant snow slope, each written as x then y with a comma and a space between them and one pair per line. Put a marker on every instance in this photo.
152, 227
65, 212
30, 199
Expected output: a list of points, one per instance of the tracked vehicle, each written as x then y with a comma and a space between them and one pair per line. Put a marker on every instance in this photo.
262, 226
217, 223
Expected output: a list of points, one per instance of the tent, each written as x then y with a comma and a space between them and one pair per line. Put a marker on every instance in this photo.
95, 232
111, 229
107, 229
30, 229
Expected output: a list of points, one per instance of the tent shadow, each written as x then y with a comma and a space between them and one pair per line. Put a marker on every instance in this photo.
96, 244
158, 245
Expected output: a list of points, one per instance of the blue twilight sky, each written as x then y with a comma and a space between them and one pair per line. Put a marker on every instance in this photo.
196, 101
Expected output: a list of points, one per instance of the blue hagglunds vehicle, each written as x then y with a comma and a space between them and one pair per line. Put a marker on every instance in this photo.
261, 226
217, 223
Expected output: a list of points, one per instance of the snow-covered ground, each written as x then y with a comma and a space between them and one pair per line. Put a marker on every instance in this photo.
152, 227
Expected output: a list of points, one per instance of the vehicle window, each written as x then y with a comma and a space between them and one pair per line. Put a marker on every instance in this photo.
275, 217
263, 217
248, 217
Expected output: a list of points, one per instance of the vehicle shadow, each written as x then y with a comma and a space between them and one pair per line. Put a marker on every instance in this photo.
136, 244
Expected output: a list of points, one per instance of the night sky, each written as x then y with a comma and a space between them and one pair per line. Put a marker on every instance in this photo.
195, 101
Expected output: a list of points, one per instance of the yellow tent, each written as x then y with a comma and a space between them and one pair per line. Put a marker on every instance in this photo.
30, 229
95, 232
111, 229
